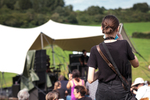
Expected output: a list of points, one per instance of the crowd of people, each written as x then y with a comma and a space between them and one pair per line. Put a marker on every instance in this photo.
73, 89
109, 71
77, 89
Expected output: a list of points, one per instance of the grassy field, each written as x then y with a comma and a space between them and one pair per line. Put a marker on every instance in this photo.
141, 45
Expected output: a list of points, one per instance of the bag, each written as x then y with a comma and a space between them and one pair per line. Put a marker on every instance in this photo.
130, 96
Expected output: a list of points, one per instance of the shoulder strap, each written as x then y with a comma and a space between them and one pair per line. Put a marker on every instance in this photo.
112, 65
105, 59
82, 82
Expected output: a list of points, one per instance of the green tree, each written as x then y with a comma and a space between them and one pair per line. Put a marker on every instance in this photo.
69, 8
93, 10
143, 7
25, 4
53, 4
72, 18
98, 18
8, 3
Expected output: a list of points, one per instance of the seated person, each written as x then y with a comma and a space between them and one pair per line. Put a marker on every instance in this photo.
61, 91
140, 89
23, 94
79, 92
53, 95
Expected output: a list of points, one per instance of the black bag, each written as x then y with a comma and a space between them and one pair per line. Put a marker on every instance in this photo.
130, 96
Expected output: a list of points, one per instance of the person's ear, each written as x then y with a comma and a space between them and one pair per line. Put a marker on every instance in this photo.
117, 30
101, 28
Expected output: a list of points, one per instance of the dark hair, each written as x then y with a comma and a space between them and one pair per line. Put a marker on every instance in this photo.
148, 82
61, 77
81, 89
83, 51
109, 24
76, 74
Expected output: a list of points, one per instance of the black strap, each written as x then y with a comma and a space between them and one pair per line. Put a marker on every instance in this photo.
120, 76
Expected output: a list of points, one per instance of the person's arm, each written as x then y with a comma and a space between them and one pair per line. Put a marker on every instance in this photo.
68, 85
92, 75
149, 67
80, 61
135, 62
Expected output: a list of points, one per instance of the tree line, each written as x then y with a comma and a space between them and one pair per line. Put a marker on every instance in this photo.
32, 13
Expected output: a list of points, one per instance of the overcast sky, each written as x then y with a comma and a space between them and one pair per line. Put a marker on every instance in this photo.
108, 4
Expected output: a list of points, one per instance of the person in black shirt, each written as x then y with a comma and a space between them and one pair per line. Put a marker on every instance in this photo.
83, 62
110, 86
61, 91
79, 93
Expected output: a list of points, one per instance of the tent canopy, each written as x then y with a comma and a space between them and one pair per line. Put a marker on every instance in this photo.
15, 42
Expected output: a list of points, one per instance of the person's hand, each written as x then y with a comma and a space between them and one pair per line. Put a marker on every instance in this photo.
149, 67
120, 36
70, 76
81, 63
85, 63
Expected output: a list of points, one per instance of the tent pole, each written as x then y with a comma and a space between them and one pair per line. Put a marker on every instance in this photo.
1, 85
41, 40
53, 55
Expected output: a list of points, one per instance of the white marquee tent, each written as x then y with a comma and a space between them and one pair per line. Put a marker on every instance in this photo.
15, 42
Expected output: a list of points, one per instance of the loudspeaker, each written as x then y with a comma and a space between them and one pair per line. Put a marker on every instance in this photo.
42, 79
17, 79
40, 60
41, 96
15, 89
74, 58
74, 62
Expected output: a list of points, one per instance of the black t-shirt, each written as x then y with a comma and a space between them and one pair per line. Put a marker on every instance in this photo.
121, 53
62, 93
85, 98
84, 59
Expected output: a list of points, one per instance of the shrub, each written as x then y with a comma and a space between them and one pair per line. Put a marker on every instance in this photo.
141, 35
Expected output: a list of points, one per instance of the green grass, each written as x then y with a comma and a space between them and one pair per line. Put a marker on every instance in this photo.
136, 27
6, 79
141, 45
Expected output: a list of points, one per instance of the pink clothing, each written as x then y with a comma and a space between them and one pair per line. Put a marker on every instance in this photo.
72, 90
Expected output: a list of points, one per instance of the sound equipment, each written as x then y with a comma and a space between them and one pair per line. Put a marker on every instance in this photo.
16, 79
74, 58
42, 77
74, 62
40, 60
15, 89
41, 95
40, 68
